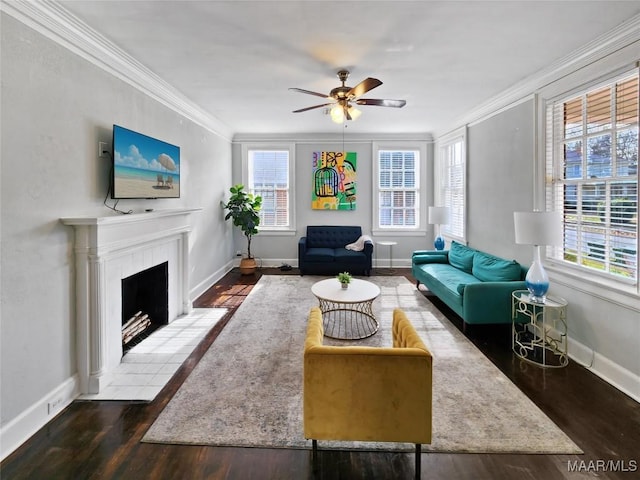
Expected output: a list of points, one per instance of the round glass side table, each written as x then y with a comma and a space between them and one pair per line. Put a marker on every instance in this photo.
539, 330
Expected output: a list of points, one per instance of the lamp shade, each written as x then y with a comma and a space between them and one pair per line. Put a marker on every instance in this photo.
538, 228
438, 215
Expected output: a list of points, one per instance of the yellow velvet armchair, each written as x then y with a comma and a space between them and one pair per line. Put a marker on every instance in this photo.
368, 393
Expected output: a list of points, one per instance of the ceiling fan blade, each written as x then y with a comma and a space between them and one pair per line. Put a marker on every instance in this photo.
301, 90
311, 108
364, 86
381, 103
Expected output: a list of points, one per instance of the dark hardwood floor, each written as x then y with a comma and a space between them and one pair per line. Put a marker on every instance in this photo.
101, 439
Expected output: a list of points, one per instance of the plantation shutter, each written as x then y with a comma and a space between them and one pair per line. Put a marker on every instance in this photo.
452, 185
450, 182
398, 188
269, 178
592, 161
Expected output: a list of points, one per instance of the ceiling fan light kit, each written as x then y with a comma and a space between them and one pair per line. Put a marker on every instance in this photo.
339, 112
342, 97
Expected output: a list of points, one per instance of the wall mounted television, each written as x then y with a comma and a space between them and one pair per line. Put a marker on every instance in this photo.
144, 167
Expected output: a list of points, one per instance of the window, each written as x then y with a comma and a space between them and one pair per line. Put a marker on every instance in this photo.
592, 160
398, 178
451, 182
268, 175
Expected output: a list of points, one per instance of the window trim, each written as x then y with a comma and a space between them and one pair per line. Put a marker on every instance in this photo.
451, 138
290, 148
420, 228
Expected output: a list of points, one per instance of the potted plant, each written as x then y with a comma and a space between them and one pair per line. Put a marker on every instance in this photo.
344, 278
243, 209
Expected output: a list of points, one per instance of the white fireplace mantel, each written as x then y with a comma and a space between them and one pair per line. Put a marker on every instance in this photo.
108, 249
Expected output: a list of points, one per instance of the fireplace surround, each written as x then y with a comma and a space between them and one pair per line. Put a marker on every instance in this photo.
107, 250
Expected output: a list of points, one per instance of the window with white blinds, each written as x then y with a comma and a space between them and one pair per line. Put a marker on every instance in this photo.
451, 183
268, 176
592, 175
398, 189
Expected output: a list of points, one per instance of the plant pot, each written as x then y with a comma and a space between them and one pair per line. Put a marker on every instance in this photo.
248, 266
344, 286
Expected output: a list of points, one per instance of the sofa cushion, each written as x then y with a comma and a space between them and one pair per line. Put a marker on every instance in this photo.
489, 268
318, 254
467, 281
461, 256
453, 279
349, 256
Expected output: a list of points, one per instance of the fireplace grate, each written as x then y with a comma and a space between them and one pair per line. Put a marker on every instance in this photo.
136, 329
135, 326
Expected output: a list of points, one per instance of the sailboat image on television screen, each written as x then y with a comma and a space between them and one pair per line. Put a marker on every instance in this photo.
165, 183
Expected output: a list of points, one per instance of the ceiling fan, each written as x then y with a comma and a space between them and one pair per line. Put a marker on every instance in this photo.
343, 97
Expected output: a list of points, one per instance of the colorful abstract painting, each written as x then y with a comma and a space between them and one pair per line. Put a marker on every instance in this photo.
334, 181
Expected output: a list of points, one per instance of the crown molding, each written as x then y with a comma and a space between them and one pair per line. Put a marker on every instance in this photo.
56, 23
318, 138
616, 39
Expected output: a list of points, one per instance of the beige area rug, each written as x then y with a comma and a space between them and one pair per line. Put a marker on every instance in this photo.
247, 389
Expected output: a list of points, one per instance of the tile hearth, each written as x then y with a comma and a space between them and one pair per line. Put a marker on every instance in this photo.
147, 367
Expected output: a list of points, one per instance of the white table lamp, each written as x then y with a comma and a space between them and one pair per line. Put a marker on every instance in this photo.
538, 228
438, 216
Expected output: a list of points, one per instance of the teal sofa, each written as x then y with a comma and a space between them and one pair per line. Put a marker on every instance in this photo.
475, 285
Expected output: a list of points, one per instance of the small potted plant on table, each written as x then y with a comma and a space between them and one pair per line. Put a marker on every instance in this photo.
344, 278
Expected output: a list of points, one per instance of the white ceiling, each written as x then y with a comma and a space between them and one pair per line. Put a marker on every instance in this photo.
237, 59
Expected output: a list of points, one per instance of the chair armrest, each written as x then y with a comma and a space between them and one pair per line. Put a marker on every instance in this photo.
302, 246
368, 248
403, 333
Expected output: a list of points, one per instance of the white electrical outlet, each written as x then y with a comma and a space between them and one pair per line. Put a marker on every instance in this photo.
238, 253
103, 149
54, 405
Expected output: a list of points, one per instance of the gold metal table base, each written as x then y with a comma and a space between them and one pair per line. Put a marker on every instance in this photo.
348, 321
542, 338
540, 350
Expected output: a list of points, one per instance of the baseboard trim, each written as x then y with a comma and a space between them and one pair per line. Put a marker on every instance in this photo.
27, 423
203, 286
609, 371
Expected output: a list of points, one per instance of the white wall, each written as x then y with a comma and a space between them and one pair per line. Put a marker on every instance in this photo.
55, 108
500, 178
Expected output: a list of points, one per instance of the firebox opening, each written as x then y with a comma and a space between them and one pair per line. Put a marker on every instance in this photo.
145, 304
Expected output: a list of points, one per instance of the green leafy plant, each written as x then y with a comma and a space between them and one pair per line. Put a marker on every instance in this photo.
243, 209
344, 277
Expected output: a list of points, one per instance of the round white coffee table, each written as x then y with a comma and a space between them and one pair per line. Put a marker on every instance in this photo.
347, 314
